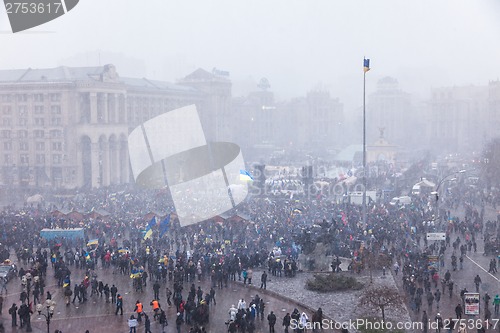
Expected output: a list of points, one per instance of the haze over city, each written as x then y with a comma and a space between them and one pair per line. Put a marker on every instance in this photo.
297, 45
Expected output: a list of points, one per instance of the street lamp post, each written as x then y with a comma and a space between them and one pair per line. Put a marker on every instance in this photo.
49, 308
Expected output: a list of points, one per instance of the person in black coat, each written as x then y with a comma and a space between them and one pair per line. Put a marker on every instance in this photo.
271, 318
13, 313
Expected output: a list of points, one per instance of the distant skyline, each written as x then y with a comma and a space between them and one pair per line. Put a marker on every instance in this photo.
297, 45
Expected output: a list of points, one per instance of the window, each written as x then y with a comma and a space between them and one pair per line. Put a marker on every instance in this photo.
7, 110
22, 134
22, 110
57, 146
40, 146
22, 121
39, 121
22, 98
23, 146
55, 134
24, 158
40, 158
7, 159
55, 97
39, 134
7, 121
6, 134
7, 145
55, 121
38, 97
38, 109
55, 109
6, 98
57, 159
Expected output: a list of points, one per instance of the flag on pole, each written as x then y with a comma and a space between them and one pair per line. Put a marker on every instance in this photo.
149, 230
165, 225
245, 175
93, 242
366, 65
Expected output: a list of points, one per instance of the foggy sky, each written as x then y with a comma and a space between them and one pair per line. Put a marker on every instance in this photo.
297, 44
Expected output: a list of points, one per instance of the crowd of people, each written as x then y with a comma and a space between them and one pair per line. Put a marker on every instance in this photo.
266, 233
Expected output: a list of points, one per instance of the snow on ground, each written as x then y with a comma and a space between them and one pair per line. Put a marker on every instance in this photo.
339, 306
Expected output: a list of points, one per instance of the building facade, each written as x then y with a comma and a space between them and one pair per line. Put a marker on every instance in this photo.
462, 118
68, 127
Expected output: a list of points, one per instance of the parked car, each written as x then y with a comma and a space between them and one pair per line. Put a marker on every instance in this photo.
404, 200
7, 271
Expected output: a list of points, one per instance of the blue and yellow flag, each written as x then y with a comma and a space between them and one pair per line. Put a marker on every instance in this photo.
245, 175
93, 242
165, 225
149, 230
366, 65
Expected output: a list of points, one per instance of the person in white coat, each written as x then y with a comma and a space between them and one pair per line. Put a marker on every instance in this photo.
242, 305
232, 313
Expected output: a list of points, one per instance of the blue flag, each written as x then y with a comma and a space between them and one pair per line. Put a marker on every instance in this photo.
149, 230
366, 65
165, 225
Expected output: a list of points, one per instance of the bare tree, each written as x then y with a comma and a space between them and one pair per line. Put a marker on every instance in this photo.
381, 298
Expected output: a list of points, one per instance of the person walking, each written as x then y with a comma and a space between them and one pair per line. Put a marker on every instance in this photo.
271, 318
169, 294
139, 310
13, 314
477, 282
156, 290
263, 280
67, 295
212, 296
459, 311
286, 321
425, 322
147, 324
119, 305
496, 303
486, 299
132, 324
156, 308
163, 320
178, 322
439, 322
113, 291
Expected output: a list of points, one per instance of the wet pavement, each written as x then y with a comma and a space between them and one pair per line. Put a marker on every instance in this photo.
96, 315
474, 263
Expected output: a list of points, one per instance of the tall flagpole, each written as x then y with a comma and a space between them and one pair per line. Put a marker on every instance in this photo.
366, 67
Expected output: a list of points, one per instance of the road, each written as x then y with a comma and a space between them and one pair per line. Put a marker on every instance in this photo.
474, 263
98, 316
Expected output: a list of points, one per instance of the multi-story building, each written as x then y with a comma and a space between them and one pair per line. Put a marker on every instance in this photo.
462, 118
311, 123
390, 108
68, 127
